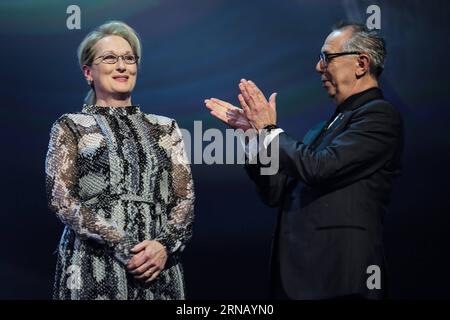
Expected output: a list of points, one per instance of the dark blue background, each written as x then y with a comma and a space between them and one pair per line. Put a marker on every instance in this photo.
194, 50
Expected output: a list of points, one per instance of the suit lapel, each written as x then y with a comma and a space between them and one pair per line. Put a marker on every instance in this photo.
312, 134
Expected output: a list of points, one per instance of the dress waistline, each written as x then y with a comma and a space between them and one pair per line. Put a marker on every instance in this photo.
104, 199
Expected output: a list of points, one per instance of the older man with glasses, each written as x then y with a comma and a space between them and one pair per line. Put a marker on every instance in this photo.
333, 187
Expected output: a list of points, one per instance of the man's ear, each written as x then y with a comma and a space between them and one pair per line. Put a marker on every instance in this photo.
87, 72
363, 65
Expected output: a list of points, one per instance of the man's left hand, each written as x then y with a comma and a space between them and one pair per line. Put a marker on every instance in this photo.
258, 110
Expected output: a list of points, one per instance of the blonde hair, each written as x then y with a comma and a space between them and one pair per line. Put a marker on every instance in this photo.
86, 51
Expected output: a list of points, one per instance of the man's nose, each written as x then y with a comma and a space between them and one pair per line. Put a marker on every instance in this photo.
319, 68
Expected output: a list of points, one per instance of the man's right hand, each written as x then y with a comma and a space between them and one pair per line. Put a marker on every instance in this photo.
228, 114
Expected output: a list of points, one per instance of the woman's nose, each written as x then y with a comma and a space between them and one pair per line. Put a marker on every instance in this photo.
120, 64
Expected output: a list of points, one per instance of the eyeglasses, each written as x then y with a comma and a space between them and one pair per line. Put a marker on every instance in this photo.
325, 58
111, 58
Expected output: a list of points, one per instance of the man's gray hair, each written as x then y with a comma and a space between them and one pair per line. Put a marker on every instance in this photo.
367, 41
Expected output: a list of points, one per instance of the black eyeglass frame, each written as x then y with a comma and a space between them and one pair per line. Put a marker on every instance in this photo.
325, 58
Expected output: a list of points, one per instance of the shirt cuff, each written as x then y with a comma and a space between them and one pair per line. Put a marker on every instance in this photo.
272, 135
252, 148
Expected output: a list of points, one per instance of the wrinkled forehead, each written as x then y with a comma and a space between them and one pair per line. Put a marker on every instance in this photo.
334, 41
113, 44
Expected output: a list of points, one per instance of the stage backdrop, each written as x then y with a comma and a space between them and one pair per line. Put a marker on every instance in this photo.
194, 50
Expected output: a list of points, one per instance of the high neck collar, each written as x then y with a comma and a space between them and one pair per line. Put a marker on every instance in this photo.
109, 110
360, 98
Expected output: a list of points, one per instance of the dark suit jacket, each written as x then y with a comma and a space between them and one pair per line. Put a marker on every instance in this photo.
332, 190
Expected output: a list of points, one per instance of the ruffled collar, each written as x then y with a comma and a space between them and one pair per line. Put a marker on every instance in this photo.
109, 110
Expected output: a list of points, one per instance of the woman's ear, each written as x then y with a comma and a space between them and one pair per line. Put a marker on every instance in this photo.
87, 73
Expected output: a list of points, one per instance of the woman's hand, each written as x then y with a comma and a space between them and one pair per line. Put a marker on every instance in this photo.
149, 260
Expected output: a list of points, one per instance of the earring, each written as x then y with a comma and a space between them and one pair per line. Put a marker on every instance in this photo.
89, 82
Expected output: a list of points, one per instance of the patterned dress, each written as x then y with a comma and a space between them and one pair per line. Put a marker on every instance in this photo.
115, 177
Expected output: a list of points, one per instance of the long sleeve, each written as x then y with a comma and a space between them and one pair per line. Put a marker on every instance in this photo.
178, 229
372, 140
61, 181
269, 187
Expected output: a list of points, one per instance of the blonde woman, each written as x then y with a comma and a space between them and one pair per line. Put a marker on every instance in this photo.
120, 181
